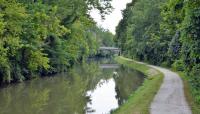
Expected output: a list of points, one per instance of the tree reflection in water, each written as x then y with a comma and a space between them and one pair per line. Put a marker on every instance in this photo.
65, 93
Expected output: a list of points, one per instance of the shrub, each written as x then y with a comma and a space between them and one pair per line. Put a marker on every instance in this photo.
165, 64
178, 65
195, 82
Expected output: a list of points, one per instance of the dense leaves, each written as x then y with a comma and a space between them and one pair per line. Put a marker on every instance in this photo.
46, 36
163, 32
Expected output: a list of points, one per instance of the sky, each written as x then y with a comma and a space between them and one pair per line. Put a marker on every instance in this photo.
112, 20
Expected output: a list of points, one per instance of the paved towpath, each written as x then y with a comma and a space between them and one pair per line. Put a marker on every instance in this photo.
170, 98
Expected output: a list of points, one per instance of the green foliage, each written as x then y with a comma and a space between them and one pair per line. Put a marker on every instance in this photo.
45, 36
178, 65
105, 37
163, 32
174, 48
137, 34
37, 59
195, 81
102, 38
191, 47
12, 16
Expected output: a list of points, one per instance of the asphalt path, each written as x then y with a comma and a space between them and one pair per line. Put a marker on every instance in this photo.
170, 98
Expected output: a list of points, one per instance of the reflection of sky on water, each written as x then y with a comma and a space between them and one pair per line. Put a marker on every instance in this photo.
103, 97
72, 92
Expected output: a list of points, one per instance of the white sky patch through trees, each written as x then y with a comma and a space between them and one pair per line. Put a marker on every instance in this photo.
112, 20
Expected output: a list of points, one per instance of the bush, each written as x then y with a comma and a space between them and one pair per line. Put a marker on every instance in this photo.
165, 64
178, 65
195, 82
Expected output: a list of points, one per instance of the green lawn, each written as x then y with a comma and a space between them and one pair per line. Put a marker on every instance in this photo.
139, 102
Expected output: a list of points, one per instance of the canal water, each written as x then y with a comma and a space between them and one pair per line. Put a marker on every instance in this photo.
95, 87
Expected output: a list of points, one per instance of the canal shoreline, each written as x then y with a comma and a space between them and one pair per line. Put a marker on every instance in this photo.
87, 88
139, 102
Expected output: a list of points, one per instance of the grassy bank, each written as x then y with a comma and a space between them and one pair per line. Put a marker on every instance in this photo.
187, 89
139, 102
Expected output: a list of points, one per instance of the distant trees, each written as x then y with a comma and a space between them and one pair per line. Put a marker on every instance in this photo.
138, 32
45, 36
163, 32
104, 37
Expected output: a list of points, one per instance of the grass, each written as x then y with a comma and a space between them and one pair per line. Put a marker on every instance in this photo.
139, 102
187, 89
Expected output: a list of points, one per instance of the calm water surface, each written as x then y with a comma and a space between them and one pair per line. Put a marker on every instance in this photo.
96, 87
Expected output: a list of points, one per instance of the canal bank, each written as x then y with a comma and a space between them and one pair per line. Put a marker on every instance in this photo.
140, 100
97, 86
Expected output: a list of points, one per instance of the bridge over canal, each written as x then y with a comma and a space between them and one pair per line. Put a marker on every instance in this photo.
115, 50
